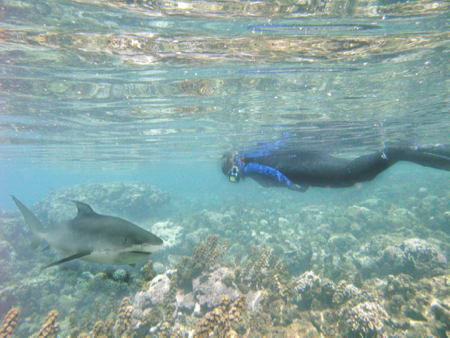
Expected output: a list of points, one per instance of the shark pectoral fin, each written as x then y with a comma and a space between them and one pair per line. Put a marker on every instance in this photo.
70, 258
132, 265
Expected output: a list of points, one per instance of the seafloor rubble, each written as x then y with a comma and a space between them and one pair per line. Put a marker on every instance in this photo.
372, 267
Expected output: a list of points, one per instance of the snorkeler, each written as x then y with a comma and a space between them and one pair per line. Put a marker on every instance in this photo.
299, 170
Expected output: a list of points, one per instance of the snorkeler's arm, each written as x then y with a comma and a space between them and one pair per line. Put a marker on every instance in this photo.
269, 176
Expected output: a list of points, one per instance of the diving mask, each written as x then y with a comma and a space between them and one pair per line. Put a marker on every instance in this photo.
233, 175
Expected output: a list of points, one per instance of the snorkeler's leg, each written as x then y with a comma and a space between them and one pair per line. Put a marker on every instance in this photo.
437, 156
365, 168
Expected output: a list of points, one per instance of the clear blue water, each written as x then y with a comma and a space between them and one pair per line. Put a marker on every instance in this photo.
156, 92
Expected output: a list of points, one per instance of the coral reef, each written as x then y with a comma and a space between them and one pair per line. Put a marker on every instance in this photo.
264, 270
50, 329
148, 272
124, 319
155, 294
9, 323
204, 257
171, 234
311, 288
362, 268
363, 320
210, 288
137, 199
220, 320
415, 257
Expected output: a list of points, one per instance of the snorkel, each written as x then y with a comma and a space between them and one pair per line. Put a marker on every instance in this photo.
233, 166
233, 175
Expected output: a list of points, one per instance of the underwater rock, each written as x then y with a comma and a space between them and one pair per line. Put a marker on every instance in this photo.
312, 216
422, 192
372, 203
7, 252
185, 301
341, 243
120, 275
31, 290
170, 233
158, 287
196, 237
159, 268
283, 222
363, 320
99, 284
137, 199
301, 329
209, 288
400, 285
311, 287
325, 322
255, 298
197, 310
357, 212
216, 221
363, 218
8, 262
66, 303
441, 312
414, 256
344, 292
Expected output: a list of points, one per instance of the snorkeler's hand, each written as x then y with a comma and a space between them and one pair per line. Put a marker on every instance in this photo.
298, 187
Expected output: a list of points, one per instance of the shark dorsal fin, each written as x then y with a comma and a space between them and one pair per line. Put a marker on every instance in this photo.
84, 209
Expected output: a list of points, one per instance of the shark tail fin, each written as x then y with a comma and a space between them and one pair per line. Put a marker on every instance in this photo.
33, 223
35, 242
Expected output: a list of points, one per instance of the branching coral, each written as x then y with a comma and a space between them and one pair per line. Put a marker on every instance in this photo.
148, 274
363, 320
344, 292
148, 271
99, 330
264, 270
311, 287
123, 322
50, 328
220, 319
400, 285
204, 257
10, 322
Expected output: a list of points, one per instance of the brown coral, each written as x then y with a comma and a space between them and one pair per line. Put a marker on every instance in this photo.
123, 322
364, 320
10, 322
148, 271
221, 318
50, 328
99, 330
264, 270
204, 257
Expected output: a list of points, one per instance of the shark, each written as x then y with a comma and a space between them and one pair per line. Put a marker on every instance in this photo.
92, 237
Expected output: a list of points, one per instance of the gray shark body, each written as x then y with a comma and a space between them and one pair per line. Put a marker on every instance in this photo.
93, 237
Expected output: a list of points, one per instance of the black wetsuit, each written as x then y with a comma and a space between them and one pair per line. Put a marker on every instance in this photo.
299, 170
